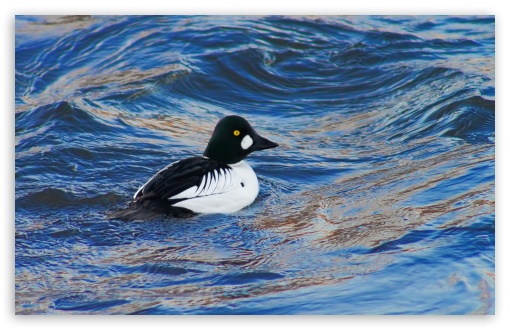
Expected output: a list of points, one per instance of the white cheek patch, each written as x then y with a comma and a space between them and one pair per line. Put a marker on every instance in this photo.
246, 142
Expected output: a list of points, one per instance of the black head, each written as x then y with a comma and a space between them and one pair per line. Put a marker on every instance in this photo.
233, 139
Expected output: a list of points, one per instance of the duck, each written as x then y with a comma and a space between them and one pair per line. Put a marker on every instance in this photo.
218, 182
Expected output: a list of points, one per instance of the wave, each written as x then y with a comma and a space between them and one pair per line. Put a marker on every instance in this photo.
56, 198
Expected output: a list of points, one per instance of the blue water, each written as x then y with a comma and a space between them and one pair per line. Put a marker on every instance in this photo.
379, 200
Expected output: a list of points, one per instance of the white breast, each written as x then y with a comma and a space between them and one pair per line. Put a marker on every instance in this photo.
229, 192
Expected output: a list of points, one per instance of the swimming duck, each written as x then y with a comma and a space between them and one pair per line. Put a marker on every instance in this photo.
220, 181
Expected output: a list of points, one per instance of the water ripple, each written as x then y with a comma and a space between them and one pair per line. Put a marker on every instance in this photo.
383, 182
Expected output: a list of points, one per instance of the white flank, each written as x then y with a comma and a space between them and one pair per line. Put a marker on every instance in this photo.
221, 180
188, 193
212, 184
224, 194
200, 188
246, 142
207, 184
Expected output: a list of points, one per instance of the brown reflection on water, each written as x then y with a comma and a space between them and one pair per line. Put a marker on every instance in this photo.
57, 25
99, 80
69, 86
195, 131
363, 209
370, 208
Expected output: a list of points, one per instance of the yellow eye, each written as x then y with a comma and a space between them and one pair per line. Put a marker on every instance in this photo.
236, 132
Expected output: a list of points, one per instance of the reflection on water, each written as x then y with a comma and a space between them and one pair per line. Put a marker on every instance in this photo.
379, 200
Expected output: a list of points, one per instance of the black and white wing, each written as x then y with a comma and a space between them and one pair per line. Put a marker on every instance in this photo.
189, 178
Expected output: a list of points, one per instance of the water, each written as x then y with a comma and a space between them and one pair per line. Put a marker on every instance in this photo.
379, 200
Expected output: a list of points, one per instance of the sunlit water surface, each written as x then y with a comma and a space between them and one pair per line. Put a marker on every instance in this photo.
379, 200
